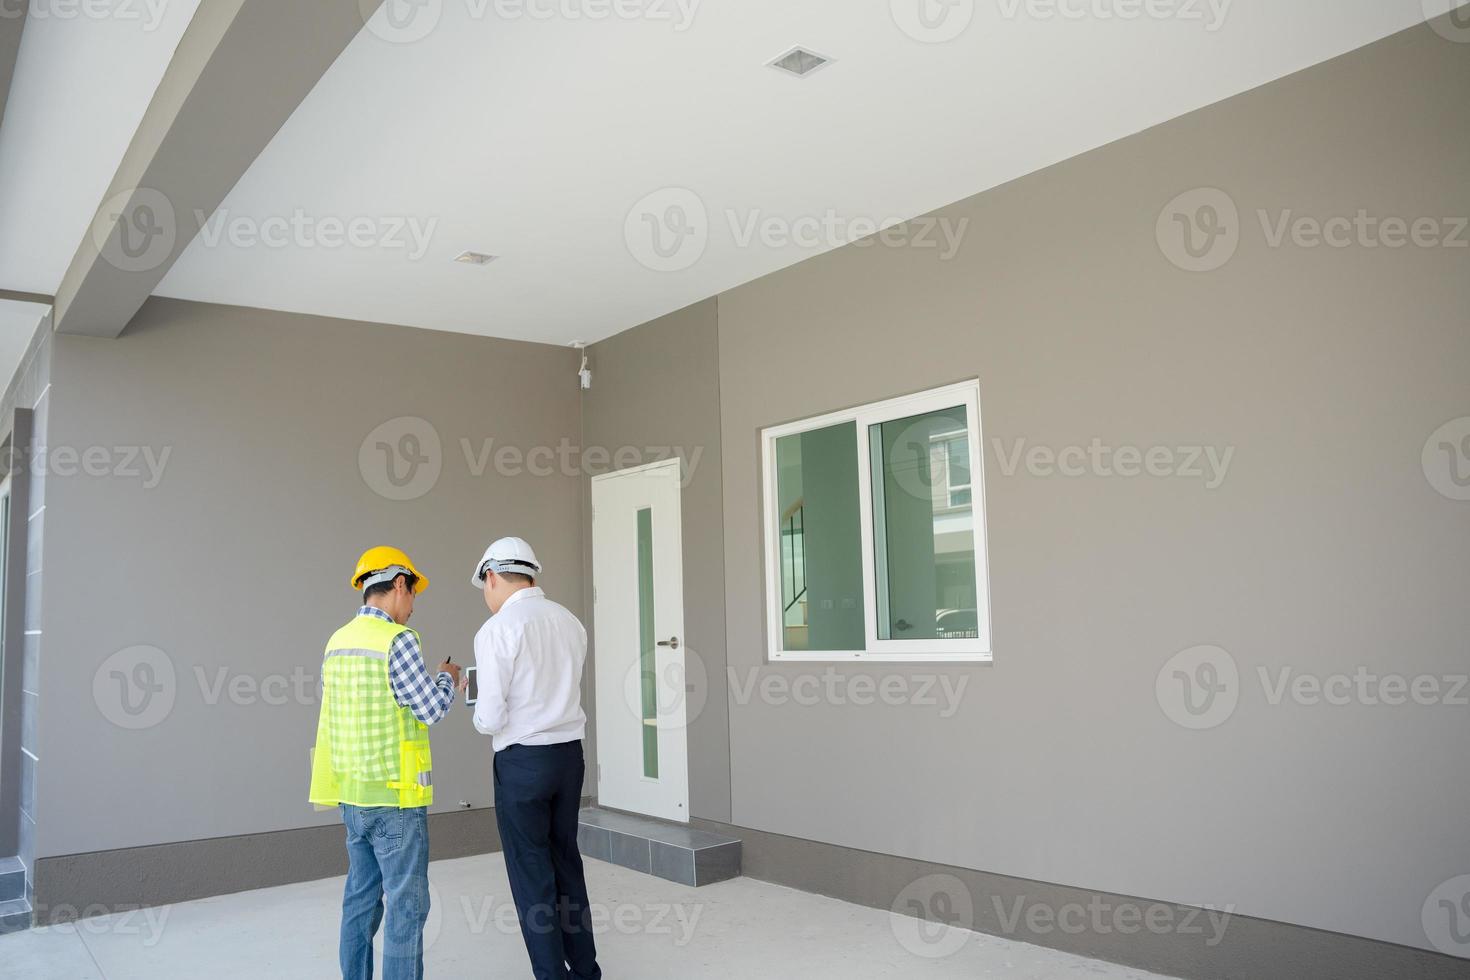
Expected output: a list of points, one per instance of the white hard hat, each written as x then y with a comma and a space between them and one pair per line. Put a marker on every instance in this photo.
506, 555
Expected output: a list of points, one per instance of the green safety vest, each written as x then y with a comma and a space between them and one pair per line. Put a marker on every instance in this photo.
369, 751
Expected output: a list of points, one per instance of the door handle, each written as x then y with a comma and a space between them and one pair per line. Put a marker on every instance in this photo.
672, 643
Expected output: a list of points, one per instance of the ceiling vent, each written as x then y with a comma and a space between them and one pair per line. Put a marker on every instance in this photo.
800, 62
475, 258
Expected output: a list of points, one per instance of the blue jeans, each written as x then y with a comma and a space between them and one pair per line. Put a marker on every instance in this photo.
538, 790
388, 855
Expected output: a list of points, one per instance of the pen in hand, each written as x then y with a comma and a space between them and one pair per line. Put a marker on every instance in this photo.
452, 669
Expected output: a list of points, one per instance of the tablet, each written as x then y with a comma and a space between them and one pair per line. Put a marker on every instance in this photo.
472, 692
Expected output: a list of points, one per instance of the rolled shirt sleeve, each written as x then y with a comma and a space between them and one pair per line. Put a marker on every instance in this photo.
429, 698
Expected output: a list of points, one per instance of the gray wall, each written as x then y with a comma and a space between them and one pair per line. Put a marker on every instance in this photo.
238, 560
656, 390
1324, 549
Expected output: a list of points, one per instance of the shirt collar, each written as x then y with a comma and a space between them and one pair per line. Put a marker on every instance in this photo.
374, 612
519, 594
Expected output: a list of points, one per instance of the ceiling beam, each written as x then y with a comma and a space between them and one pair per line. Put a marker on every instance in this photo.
241, 69
12, 23
17, 296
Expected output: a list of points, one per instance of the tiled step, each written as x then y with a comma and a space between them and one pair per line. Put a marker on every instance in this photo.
666, 850
15, 916
12, 879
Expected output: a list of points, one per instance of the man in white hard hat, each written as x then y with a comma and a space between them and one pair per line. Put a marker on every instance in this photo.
528, 658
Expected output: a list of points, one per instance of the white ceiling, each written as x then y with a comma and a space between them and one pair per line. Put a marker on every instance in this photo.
532, 139
81, 85
18, 322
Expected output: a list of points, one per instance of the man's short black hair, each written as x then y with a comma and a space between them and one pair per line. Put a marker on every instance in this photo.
383, 588
517, 578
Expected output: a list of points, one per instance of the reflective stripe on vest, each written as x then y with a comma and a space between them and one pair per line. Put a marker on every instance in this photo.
369, 750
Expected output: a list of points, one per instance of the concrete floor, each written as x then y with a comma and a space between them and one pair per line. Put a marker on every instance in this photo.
648, 929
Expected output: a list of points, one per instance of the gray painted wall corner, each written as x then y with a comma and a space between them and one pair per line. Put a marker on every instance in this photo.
271, 436
656, 390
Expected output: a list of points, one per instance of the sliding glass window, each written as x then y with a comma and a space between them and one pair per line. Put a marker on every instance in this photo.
819, 539
874, 532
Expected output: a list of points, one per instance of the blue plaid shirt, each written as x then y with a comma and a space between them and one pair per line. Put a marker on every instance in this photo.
428, 698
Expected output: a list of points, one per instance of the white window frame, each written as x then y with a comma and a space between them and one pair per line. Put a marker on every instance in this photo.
949, 485
971, 649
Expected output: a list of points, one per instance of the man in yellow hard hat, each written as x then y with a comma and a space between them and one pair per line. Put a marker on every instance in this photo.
372, 762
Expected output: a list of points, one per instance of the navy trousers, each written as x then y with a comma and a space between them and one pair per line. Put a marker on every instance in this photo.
538, 791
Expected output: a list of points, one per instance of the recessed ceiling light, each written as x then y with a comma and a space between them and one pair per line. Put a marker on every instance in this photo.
800, 62
475, 258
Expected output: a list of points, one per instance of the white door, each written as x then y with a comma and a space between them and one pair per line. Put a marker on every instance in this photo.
638, 613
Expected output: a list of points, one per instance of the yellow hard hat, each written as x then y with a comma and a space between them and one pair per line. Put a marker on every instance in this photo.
386, 559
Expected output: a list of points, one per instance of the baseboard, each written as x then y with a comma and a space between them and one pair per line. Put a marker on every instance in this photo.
1175, 940
105, 882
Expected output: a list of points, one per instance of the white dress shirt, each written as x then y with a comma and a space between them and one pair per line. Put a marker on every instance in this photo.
528, 660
